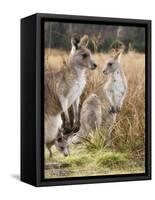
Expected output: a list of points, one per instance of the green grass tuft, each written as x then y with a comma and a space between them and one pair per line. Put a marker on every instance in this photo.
112, 159
77, 160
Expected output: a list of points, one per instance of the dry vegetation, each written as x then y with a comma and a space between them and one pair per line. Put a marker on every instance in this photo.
127, 155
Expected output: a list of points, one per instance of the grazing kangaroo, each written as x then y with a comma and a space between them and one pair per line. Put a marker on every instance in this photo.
63, 88
91, 118
115, 90
61, 143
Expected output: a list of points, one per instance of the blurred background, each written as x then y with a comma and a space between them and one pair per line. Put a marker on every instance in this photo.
102, 37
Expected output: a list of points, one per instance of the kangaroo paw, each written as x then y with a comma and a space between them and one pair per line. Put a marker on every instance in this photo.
76, 128
112, 110
67, 130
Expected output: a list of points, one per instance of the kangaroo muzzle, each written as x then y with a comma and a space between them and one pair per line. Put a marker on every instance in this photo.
92, 66
105, 72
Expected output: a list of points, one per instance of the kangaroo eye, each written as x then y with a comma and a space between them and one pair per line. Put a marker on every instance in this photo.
84, 55
59, 139
62, 148
110, 64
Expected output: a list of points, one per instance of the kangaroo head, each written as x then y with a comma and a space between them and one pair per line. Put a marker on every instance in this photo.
61, 143
93, 99
112, 63
80, 55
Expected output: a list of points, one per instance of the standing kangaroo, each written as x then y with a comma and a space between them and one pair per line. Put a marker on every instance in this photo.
115, 90
63, 88
91, 118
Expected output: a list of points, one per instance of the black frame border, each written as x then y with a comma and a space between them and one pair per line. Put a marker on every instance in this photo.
40, 180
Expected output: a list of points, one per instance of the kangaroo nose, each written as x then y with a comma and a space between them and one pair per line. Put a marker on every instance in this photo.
94, 65
104, 72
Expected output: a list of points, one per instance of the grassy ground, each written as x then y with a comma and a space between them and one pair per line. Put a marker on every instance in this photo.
82, 162
128, 153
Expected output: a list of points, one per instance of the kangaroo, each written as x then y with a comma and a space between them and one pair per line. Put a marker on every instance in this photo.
115, 90
63, 88
61, 144
91, 118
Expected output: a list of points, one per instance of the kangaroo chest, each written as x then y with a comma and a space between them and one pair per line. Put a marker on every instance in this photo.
76, 89
117, 87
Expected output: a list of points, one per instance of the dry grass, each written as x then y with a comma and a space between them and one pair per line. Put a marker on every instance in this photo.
128, 134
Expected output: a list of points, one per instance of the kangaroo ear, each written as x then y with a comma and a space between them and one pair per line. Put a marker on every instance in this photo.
61, 130
112, 52
75, 41
84, 41
118, 56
